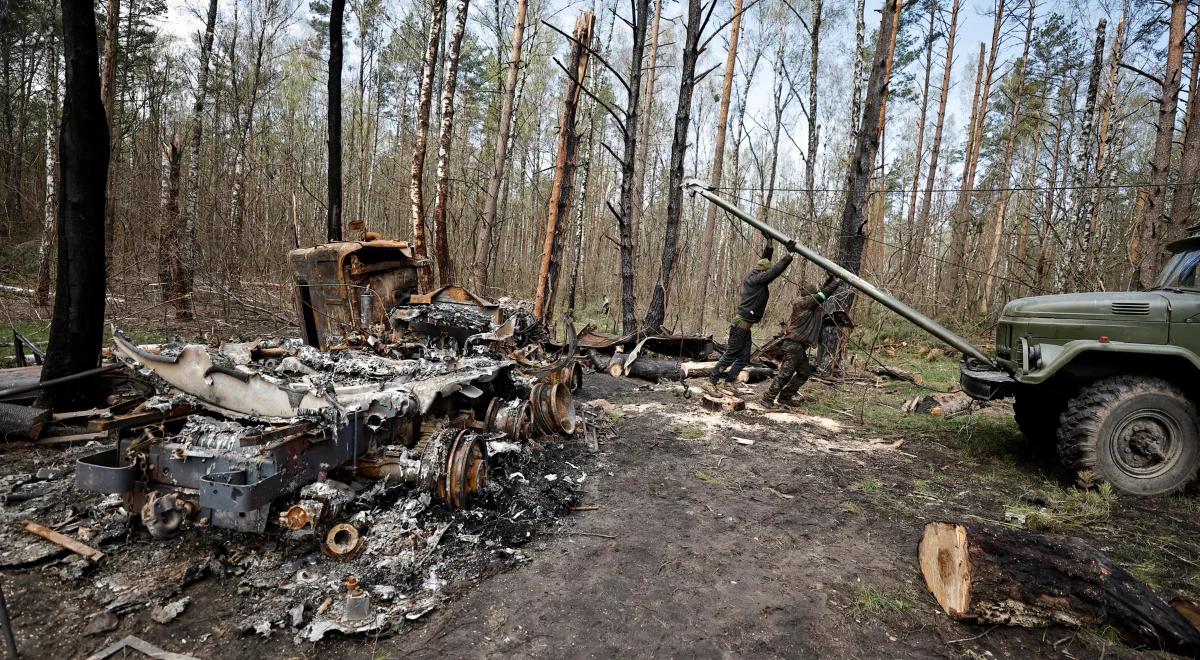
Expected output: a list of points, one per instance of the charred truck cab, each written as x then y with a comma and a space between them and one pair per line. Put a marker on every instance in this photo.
1112, 380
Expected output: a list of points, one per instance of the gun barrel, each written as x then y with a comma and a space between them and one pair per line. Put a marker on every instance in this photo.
882, 297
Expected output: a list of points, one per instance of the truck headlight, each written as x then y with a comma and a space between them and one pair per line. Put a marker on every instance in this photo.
1031, 355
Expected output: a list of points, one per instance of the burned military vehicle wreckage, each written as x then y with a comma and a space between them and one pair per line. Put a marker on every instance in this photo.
385, 384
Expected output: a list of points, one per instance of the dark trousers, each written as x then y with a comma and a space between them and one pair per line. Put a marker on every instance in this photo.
736, 357
794, 372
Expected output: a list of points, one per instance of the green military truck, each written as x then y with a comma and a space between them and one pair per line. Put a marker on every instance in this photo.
1110, 379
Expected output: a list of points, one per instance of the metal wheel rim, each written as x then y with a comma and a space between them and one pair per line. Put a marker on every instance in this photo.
1128, 447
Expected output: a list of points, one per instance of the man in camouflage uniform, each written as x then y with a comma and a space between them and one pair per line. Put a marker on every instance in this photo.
802, 330
751, 305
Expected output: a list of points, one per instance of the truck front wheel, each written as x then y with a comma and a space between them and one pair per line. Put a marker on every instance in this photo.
1138, 433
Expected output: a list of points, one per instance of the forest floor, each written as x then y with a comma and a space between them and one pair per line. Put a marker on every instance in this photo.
802, 544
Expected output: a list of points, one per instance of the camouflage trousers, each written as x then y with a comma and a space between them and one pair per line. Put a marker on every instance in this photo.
794, 371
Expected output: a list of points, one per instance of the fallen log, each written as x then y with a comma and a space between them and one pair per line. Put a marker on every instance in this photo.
991, 575
755, 374
21, 422
940, 404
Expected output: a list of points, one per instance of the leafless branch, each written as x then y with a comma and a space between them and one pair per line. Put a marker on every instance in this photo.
616, 117
594, 54
1155, 79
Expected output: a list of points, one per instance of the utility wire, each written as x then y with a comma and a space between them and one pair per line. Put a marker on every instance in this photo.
906, 191
924, 255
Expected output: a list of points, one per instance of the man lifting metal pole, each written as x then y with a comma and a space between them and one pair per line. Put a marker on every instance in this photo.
927, 324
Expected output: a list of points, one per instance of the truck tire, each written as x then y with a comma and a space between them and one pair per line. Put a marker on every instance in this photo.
1037, 412
1138, 433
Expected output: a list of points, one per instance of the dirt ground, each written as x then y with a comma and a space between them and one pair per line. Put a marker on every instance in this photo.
802, 544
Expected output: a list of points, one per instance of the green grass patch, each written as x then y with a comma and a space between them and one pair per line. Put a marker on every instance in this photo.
851, 507
688, 432
875, 601
711, 478
869, 486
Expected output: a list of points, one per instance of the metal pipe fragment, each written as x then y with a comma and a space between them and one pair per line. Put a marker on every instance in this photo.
870, 290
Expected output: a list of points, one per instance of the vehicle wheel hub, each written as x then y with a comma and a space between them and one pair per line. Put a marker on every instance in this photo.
1146, 444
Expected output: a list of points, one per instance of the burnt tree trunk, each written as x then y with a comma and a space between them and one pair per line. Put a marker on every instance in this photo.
656, 313
985, 574
640, 17
858, 179
171, 159
1156, 228
483, 245
333, 210
441, 247
564, 169
78, 325
639, 184
1085, 168
108, 90
416, 192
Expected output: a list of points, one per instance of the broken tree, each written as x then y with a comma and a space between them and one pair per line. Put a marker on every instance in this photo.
854, 217
984, 574
564, 167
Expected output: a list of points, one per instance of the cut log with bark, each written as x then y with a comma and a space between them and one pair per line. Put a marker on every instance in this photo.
940, 404
991, 575
21, 422
755, 374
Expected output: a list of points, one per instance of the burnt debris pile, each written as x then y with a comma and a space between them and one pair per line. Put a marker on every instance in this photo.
406, 442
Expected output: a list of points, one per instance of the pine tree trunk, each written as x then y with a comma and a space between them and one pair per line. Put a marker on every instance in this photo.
656, 313
640, 18
564, 169
416, 192
639, 187
959, 222
858, 177
1104, 140
1010, 150
441, 247
907, 258
333, 210
710, 217
77, 328
922, 224
184, 270
479, 265
1156, 229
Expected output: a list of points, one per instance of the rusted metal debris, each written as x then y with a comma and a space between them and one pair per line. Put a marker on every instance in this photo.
386, 384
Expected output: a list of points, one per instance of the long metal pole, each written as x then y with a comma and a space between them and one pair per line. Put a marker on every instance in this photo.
886, 299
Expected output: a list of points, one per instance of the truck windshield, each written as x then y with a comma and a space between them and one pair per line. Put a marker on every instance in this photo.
1180, 271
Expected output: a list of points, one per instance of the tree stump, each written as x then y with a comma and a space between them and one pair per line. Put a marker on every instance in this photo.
984, 574
722, 404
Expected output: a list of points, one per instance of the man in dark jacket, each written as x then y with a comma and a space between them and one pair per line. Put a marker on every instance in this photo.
803, 329
751, 305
